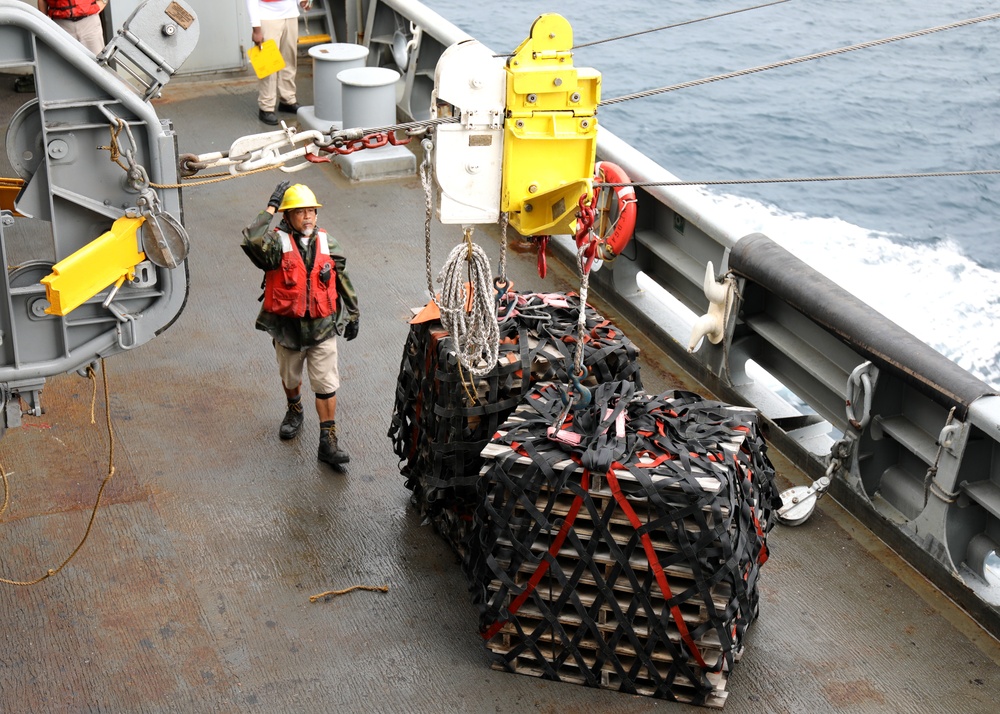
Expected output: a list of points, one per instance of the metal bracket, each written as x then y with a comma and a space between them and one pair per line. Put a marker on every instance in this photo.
153, 43
14, 395
123, 319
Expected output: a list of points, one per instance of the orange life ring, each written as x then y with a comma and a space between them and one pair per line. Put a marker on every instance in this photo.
623, 226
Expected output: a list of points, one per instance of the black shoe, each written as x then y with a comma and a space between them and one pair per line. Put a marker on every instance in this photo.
25, 84
292, 422
267, 117
329, 452
288, 108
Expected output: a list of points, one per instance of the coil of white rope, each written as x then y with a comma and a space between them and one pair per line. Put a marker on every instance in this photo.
476, 335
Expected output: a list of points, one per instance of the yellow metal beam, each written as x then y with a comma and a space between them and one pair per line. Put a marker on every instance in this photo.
9, 188
108, 260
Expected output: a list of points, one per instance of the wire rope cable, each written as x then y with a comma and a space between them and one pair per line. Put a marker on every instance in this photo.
676, 24
796, 60
802, 179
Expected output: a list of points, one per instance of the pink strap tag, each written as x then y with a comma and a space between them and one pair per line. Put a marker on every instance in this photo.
570, 438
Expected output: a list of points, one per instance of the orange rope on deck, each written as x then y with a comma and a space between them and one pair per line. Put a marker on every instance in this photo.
100, 492
328, 593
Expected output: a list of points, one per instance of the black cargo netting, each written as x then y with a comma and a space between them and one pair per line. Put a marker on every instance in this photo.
438, 431
628, 560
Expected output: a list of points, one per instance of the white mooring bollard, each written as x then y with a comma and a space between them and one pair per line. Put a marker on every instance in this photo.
329, 60
368, 96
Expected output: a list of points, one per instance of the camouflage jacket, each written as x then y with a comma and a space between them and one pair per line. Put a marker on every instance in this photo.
263, 246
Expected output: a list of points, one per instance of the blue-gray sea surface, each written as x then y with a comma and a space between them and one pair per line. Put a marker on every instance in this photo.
923, 251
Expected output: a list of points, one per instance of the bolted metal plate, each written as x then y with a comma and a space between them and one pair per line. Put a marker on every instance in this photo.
168, 28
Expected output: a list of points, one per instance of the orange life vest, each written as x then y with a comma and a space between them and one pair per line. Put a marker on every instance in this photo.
290, 292
71, 9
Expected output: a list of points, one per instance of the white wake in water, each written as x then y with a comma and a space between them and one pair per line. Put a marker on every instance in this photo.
930, 290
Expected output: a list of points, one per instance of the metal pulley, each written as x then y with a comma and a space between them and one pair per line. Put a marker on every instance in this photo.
164, 240
798, 503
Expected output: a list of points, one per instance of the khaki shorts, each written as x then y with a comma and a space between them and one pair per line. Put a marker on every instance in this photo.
321, 364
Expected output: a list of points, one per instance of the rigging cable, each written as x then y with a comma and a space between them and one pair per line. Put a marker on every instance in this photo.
665, 27
669, 27
803, 179
796, 60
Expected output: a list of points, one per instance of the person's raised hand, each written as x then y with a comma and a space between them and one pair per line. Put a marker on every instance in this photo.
279, 193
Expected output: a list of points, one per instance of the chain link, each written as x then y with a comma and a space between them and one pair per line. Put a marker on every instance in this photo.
504, 221
425, 180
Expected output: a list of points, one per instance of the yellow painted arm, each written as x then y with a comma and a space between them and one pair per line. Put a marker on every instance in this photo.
9, 188
108, 260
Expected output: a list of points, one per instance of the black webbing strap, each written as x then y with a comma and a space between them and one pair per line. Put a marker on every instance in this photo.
438, 433
631, 555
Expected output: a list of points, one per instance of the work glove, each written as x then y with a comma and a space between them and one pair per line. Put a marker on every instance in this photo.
351, 330
279, 193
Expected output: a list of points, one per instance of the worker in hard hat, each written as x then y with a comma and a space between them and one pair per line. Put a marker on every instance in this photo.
308, 301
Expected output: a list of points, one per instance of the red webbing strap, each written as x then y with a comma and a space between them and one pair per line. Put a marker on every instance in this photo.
654, 562
543, 566
653, 460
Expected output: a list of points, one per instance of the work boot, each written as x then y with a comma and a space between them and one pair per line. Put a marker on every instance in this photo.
25, 84
329, 452
292, 422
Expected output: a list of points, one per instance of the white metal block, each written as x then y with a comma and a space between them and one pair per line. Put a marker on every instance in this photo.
470, 83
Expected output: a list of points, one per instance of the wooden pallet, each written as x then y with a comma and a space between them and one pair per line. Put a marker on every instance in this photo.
609, 675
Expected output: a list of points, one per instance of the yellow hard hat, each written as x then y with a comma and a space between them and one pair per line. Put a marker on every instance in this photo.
298, 196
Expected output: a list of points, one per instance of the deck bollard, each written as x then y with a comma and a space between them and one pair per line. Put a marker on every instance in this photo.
368, 96
329, 60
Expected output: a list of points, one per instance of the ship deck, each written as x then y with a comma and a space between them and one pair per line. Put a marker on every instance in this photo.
192, 592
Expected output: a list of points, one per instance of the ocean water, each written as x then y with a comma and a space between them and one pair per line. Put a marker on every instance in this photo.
925, 252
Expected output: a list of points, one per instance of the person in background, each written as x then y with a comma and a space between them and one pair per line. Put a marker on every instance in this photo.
308, 301
277, 20
80, 18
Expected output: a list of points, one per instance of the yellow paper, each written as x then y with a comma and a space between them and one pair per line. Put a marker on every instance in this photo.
266, 59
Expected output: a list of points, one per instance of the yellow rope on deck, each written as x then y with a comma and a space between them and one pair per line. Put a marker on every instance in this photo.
328, 593
100, 492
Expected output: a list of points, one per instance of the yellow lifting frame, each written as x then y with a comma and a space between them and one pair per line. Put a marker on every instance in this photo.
9, 189
108, 260
550, 132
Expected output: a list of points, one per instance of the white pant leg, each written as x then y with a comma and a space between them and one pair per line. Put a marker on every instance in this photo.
88, 31
281, 84
289, 46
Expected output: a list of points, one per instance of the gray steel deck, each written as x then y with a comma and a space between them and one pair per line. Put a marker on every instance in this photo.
192, 593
